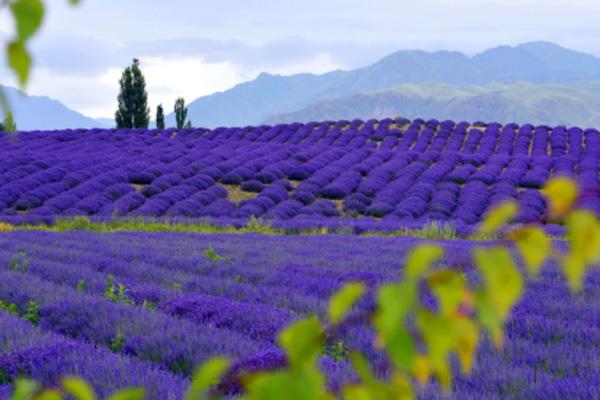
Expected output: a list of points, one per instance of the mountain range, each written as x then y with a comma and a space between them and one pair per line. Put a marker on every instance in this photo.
538, 82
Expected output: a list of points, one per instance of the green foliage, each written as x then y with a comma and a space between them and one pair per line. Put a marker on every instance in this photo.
78, 388
9, 124
498, 217
160, 117
343, 300
32, 312
180, 113
206, 376
117, 343
149, 304
9, 308
211, 255
116, 292
19, 262
177, 286
133, 111
81, 286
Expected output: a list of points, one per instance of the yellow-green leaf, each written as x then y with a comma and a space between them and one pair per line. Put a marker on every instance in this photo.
466, 334
498, 217
207, 375
574, 268
502, 280
561, 193
437, 334
303, 384
420, 259
19, 60
25, 389
302, 341
448, 286
488, 317
28, 16
583, 233
78, 388
49, 394
534, 245
421, 369
343, 300
129, 394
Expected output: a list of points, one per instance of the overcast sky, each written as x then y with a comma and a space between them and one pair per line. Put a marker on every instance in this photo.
192, 48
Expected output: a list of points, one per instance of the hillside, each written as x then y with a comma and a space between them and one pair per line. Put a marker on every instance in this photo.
269, 95
40, 112
553, 104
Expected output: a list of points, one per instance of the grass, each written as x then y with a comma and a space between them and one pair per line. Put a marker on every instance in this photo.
235, 194
433, 230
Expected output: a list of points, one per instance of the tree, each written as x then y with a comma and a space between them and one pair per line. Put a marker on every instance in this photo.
9, 124
1, 128
160, 117
181, 113
133, 111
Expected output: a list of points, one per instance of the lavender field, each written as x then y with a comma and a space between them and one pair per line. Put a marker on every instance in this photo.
179, 308
368, 175
143, 309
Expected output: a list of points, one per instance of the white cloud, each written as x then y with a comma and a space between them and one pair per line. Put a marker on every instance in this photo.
190, 78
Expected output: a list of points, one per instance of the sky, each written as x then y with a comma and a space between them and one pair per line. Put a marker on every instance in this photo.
193, 48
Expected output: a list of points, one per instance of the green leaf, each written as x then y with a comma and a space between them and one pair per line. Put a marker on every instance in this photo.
437, 333
574, 269
502, 279
25, 389
307, 384
448, 287
534, 245
129, 394
302, 341
498, 216
207, 375
361, 367
19, 60
78, 388
420, 259
343, 300
74, 2
583, 232
561, 194
49, 394
489, 318
466, 334
28, 16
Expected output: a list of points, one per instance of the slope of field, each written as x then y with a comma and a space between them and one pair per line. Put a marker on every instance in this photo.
177, 309
375, 173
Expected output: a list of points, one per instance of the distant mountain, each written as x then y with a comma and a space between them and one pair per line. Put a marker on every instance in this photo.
268, 95
43, 113
553, 104
107, 123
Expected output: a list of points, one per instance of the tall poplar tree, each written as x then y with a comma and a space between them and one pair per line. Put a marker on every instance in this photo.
180, 112
133, 111
160, 117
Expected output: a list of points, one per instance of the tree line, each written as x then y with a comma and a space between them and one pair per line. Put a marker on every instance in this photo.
133, 110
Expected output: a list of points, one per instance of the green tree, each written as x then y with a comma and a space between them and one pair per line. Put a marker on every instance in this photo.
133, 111
181, 114
160, 117
9, 124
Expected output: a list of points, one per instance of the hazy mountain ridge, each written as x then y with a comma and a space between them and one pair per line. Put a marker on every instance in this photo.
270, 95
554, 104
44, 113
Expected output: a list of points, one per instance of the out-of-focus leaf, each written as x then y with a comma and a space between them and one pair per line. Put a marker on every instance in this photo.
28, 16
302, 341
78, 388
343, 300
19, 60
561, 193
130, 394
207, 375
395, 301
466, 333
488, 317
74, 2
24, 389
534, 245
304, 384
362, 367
448, 286
421, 369
498, 216
49, 394
574, 268
438, 336
583, 232
420, 259
503, 282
